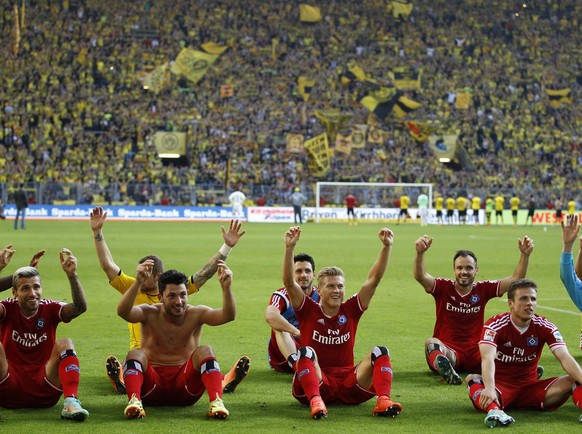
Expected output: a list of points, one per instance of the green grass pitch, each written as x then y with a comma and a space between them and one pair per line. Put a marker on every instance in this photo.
401, 317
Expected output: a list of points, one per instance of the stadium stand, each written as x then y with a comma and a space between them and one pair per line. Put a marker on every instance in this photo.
77, 123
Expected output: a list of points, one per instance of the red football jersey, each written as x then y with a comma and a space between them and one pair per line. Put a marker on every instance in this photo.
460, 318
29, 342
332, 338
518, 352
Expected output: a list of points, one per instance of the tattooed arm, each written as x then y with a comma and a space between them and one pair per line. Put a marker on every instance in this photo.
230, 237
79, 303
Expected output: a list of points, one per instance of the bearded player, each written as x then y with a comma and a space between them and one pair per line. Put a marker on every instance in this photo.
35, 367
325, 372
280, 315
149, 294
460, 308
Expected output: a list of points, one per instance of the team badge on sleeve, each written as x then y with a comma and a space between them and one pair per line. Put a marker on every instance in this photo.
489, 335
558, 337
532, 341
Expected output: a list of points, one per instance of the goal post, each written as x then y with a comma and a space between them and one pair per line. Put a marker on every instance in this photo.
370, 195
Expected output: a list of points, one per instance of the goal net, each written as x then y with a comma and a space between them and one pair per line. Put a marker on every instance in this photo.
376, 201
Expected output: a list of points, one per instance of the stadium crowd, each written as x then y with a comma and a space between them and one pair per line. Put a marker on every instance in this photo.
74, 113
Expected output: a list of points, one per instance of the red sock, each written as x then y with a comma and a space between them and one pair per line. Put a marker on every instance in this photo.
211, 378
577, 395
69, 374
133, 377
382, 376
475, 392
432, 356
307, 376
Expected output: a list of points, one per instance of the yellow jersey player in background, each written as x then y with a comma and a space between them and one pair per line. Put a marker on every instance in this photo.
514, 203
438, 205
404, 203
462, 203
450, 206
499, 200
476, 206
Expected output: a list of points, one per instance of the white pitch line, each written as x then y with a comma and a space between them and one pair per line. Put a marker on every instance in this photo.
559, 310
541, 306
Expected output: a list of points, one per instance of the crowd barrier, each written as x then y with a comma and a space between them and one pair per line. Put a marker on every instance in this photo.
256, 214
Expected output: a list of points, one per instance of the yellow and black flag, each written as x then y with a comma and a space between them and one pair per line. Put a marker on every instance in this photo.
405, 77
318, 155
443, 146
559, 97
333, 120
381, 101
353, 72
405, 105
420, 131
193, 64
305, 85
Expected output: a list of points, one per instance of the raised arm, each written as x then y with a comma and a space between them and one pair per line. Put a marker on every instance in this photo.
295, 292
419, 269
79, 303
230, 237
98, 217
126, 308
525, 247
6, 281
570, 231
6, 255
377, 271
571, 281
227, 313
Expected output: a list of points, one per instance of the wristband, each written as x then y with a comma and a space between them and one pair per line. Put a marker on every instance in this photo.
224, 250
